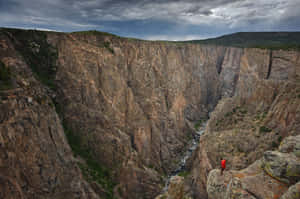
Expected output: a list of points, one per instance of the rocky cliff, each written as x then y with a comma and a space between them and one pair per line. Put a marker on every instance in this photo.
269, 177
263, 111
129, 107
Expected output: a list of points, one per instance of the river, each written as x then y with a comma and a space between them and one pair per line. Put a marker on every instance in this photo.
181, 167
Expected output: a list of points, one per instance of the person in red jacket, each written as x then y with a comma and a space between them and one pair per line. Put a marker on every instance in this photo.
223, 165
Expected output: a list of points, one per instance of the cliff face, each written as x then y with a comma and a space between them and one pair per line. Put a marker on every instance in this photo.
135, 104
131, 106
263, 110
35, 158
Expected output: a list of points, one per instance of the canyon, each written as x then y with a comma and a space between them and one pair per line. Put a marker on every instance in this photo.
93, 115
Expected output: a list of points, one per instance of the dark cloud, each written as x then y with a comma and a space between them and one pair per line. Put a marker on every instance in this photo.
153, 18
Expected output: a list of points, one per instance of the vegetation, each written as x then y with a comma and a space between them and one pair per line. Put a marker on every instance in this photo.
279, 139
92, 170
264, 40
107, 46
275, 144
37, 53
94, 32
5, 77
183, 173
198, 124
264, 129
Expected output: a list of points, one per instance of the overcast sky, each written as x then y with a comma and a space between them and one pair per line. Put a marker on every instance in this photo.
153, 19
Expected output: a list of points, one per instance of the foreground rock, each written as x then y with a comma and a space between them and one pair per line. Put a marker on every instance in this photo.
292, 193
270, 177
282, 166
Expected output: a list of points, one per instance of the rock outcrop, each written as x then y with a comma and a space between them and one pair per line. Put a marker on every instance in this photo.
269, 177
175, 189
292, 193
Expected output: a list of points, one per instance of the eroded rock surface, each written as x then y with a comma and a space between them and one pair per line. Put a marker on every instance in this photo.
35, 158
273, 176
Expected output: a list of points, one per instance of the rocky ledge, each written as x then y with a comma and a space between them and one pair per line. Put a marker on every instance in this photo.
276, 175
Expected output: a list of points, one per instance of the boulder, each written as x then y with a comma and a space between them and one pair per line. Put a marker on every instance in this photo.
217, 184
235, 190
284, 167
292, 193
249, 183
291, 144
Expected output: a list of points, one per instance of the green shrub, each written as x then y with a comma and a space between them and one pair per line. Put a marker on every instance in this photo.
183, 173
275, 144
228, 114
243, 111
5, 77
264, 129
279, 139
120, 191
107, 46
198, 124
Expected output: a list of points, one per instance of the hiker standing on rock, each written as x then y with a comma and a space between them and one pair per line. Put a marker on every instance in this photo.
223, 165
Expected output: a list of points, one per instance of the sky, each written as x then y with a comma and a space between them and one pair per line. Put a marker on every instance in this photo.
153, 19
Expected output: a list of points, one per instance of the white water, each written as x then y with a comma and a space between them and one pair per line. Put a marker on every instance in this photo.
181, 167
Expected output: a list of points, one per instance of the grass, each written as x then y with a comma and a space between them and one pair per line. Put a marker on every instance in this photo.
5, 77
37, 53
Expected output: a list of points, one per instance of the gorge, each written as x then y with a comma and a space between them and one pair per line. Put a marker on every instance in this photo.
93, 115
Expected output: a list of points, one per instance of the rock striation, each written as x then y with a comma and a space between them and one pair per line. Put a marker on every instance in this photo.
35, 158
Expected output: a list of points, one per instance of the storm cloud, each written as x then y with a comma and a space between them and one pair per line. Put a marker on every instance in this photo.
156, 19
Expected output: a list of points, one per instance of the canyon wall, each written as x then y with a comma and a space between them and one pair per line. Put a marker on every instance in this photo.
263, 110
131, 107
35, 158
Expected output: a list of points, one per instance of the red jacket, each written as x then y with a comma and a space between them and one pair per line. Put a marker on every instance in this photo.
223, 164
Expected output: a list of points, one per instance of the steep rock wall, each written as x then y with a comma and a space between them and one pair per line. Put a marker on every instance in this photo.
35, 158
136, 104
263, 110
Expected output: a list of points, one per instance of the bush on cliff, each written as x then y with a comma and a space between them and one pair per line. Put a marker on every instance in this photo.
5, 77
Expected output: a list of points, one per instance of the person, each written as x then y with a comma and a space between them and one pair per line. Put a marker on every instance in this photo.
223, 165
